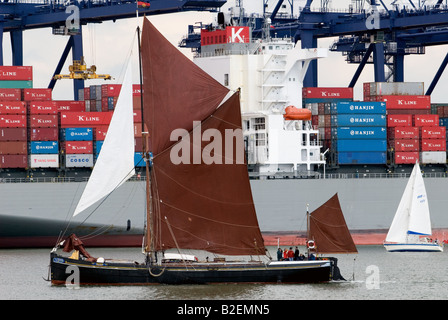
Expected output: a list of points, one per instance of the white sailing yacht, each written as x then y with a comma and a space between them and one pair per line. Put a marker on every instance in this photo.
411, 227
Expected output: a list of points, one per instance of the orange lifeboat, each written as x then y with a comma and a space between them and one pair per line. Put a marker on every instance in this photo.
293, 113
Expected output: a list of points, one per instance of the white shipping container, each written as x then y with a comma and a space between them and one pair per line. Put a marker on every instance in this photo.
79, 160
80, 94
44, 161
397, 89
314, 107
436, 157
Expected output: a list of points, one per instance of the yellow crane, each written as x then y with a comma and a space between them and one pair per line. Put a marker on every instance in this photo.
79, 70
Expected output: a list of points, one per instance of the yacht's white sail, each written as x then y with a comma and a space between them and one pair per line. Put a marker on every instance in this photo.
115, 163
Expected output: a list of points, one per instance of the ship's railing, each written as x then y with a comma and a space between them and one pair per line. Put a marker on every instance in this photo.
317, 175
57, 179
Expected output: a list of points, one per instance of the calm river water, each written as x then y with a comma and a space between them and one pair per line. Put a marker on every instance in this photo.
371, 274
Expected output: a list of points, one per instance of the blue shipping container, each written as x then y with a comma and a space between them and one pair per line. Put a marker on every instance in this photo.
362, 157
352, 120
358, 107
78, 134
44, 147
98, 145
138, 160
363, 145
359, 133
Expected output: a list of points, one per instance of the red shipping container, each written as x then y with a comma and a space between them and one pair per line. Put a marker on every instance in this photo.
13, 161
407, 145
44, 121
433, 132
137, 116
44, 134
99, 133
399, 120
10, 94
110, 90
138, 144
78, 147
71, 105
406, 157
13, 134
327, 93
16, 73
366, 89
36, 94
136, 90
395, 133
12, 121
42, 107
91, 119
433, 145
13, 147
409, 111
422, 120
12, 107
136, 102
406, 102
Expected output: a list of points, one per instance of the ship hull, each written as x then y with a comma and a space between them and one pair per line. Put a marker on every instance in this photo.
413, 247
64, 271
35, 214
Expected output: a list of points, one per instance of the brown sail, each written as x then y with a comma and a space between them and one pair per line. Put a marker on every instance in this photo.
328, 229
196, 205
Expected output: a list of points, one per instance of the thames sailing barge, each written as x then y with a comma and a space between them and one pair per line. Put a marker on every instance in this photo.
200, 204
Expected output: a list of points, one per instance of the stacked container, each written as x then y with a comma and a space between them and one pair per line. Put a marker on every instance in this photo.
319, 101
359, 134
18, 77
13, 135
43, 129
78, 146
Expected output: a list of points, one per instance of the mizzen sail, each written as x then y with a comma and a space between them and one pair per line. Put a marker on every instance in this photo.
115, 163
329, 230
196, 204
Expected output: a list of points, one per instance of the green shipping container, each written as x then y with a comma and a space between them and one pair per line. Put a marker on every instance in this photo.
16, 84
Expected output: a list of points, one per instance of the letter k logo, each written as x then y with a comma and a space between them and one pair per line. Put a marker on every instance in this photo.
236, 35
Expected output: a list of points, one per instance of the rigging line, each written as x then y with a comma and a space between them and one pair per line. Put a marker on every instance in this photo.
212, 220
200, 195
68, 218
175, 241
327, 224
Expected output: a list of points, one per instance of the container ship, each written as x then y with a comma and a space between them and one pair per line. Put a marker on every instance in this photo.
303, 145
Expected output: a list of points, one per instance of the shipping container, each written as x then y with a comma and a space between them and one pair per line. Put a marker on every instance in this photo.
44, 147
443, 122
44, 134
77, 134
347, 120
139, 161
85, 119
16, 84
78, 147
138, 144
110, 90
136, 90
406, 102
13, 134
361, 145
13, 107
44, 161
408, 111
399, 120
327, 93
79, 160
13, 121
99, 132
71, 105
42, 107
359, 133
406, 157
13, 147
136, 102
434, 132
98, 145
13, 161
395, 133
421, 120
361, 158
394, 88
16, 73
434, 157
358, 107
406, 145
433, 144
10, 94
36, 94
44, 121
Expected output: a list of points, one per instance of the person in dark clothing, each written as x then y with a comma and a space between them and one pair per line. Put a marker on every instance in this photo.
279, 254
296, 254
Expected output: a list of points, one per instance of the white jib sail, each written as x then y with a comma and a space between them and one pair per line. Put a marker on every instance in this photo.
412, 215
115, 163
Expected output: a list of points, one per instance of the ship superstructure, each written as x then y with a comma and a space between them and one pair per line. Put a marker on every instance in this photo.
269, 72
